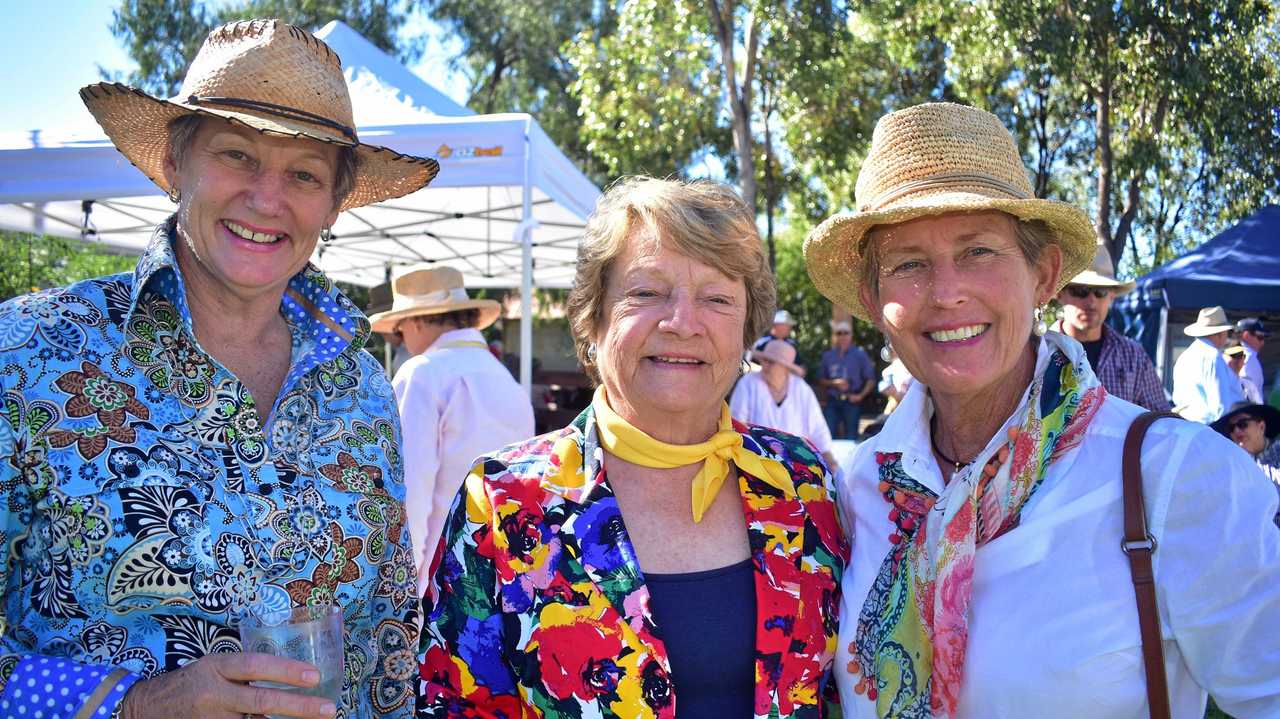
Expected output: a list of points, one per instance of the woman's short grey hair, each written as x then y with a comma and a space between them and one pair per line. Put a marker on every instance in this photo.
1032, 237
704, 221
183, 129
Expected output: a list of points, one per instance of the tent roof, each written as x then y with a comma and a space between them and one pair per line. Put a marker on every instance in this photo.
467, 218
1239, 269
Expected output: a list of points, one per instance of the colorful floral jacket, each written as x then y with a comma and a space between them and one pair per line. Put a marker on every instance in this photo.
537, 606
145, 503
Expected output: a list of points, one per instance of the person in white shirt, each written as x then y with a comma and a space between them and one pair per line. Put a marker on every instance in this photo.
1235, 356
456, 400
1253, 335
777, 397
973, 594
1204, 387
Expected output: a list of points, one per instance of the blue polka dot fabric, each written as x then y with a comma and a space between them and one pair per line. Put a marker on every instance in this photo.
53, 688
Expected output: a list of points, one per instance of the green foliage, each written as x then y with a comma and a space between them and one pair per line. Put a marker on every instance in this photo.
162, 36
29, 263
648, 93
811, 310
1153, 113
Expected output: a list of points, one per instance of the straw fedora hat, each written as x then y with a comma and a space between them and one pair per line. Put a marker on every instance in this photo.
267, 75
780, 352
431, 291
1102, 274
1211, 321
933, 159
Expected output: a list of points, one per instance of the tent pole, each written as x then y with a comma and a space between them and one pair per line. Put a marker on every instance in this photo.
525, 235
1162, 340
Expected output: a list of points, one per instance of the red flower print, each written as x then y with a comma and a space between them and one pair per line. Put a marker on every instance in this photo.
577, 652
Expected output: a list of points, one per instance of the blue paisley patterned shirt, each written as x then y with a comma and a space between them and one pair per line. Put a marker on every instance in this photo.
145, 504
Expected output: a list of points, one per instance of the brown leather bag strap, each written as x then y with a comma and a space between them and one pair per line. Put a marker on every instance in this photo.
1139, 545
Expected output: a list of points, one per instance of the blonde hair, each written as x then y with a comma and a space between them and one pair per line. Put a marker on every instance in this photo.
705, 221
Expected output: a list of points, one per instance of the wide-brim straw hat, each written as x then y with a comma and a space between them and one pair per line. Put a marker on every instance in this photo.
935, 159
1269, 415
1211, 321
781, 353
1102, 274
431, 291
269, 76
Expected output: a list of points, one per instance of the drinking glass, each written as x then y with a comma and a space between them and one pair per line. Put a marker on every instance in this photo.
310, 634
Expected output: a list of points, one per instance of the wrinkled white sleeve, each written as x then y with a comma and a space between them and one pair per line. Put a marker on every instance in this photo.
740, 401
1218, 570
418, 402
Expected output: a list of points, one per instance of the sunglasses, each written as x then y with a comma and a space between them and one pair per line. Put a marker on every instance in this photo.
843, 332
1080, 292
1241, 423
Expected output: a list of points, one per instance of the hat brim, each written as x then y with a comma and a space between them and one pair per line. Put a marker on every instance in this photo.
1205, 330
138, 125
1270, 417
759, 357
1089, 278
834, 251
386, 321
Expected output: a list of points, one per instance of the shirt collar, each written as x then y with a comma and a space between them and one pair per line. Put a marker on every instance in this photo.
324, 321
465, 334
907, 429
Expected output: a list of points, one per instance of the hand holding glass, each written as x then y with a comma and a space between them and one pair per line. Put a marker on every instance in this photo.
309, 634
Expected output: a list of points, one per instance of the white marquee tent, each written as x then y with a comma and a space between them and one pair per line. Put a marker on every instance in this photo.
507, 208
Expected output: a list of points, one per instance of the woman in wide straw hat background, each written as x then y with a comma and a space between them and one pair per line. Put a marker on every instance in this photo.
777, 396
971, 595
204, 439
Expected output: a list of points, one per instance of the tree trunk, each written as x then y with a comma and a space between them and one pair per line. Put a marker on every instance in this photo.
1102, 97
1125, 227
739, 96
770, 184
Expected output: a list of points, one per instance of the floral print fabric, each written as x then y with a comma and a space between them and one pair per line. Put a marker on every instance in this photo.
537, 606
146, 502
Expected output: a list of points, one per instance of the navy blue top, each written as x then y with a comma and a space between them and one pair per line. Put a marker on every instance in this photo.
853, 365
707, 622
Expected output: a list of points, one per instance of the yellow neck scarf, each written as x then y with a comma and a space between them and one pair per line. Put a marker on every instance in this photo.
627, 443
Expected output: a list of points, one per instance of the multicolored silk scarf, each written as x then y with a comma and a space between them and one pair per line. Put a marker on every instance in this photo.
914, 625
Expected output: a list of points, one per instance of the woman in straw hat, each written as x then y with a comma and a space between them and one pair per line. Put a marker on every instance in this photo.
655, 558
1008, 595
203, 439
777, 397
456, 400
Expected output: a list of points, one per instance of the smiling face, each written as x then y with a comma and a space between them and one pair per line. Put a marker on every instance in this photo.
670, 339
956, 295
252, 207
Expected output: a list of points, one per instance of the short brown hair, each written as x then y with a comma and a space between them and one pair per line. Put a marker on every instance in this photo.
183, 129
1032, 237
705, 221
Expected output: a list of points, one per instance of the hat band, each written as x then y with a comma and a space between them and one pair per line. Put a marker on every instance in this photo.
947, 180
289, 113
456, 294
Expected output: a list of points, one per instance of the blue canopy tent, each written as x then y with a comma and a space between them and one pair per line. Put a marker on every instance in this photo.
1239, 269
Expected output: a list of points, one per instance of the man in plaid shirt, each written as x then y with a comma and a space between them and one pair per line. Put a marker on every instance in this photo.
1121, 365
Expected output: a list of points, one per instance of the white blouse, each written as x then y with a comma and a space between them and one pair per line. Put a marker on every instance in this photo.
799, 414
1053, 630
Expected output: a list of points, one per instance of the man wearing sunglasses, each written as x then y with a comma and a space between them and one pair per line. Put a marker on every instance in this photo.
1120, 364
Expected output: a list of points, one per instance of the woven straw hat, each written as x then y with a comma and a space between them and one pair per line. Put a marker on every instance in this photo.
1102, 274
933, 159
267, 75
431, 291
1211, 321
780, 352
